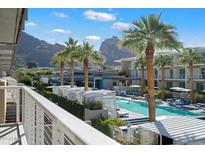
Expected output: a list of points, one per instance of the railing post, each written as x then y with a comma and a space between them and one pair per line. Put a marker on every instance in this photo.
2, 102
17, 94
39, 124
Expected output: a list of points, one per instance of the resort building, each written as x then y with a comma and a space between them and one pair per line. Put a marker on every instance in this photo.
175, 75
94, 71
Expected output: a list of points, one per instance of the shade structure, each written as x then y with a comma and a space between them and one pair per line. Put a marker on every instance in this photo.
203, 90
179, 89
135, 86
183, 130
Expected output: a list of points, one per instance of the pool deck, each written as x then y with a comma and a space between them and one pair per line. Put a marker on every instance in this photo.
132, 115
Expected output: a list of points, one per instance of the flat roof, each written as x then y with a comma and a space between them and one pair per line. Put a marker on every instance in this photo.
181, 129
125, 59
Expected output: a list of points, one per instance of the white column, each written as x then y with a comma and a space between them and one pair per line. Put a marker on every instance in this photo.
17, 94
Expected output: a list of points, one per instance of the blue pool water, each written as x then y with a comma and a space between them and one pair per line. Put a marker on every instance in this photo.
142, 108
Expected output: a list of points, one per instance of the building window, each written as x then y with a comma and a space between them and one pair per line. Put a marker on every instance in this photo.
199, 86
156, 73
169, 84
171, 73
203, 73
182, 73
155, 83
182, 84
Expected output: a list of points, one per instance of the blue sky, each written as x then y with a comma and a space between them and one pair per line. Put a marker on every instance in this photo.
95, 25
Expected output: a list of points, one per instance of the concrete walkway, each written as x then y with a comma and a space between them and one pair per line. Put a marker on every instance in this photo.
132, 115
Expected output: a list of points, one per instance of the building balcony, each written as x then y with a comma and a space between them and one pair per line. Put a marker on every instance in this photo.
40, 121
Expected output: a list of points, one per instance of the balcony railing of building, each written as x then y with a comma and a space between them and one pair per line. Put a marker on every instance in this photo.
46, 123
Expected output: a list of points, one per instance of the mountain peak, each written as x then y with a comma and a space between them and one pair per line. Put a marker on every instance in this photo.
33, 49
111, 51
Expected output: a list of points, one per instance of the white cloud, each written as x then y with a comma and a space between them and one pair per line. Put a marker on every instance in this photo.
121, 26
99, 16
59, 14
62, 31
92, 38
30, 24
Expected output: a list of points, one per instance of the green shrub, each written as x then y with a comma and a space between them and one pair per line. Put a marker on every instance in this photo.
94, 105
26, 79
39, 85
113, 121
102, 127
72, 106
31, 74
167, 94
146, 90
199, 98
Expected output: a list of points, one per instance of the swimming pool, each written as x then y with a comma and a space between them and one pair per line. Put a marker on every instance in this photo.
141, 107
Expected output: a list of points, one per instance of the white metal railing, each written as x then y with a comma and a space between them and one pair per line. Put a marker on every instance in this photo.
46, 123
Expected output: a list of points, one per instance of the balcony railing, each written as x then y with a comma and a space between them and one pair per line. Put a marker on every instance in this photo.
46, 123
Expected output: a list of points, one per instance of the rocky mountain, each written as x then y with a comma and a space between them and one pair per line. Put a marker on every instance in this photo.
32, 49
112, 52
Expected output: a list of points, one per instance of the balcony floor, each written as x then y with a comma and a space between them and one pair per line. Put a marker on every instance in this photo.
9, 134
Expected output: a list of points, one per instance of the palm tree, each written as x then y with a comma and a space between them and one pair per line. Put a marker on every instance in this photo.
141, 62
189, 57
150, 33
70, 49
60, 59
161, 61
86, 54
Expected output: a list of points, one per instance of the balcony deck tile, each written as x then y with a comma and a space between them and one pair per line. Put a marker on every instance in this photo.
9, 134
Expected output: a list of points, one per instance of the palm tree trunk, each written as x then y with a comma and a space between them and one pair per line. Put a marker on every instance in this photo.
150, 80
191, 81
142, 81
72, 73
62, 73
85, 74
162, 83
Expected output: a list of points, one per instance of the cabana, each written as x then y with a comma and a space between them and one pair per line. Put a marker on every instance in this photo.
173, 130
106, 96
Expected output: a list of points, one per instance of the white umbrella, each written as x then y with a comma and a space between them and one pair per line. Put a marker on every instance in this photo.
203, 90
180, 89
135, 86
185, 90
176, 88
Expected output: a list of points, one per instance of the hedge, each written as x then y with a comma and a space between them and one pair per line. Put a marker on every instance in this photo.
94, 105
26, 79
102, 127
72, 106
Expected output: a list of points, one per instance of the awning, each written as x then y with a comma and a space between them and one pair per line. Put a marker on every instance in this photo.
181, 129
11, 24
